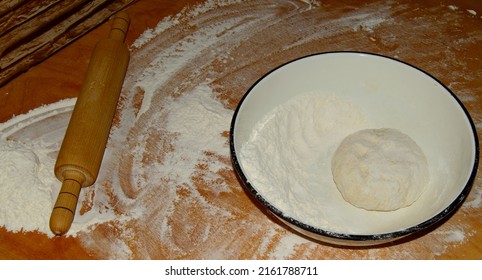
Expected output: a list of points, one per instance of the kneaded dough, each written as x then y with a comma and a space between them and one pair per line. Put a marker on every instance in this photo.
380, 169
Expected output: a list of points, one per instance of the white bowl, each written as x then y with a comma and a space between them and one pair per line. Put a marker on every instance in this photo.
392, 94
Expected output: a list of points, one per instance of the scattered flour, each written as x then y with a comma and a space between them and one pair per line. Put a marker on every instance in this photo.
452, 235
198, 119
476, 199
29, 186
453, 7
205, 34
472, 12
370, 24
456, 8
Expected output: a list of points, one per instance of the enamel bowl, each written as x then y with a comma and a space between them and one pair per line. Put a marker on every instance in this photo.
393, 94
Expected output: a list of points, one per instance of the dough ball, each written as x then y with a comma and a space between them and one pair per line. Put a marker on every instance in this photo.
380, 169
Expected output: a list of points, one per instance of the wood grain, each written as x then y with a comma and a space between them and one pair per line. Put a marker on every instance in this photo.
34, 30
444, 41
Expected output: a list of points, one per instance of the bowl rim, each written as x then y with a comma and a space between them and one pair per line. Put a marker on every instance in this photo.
346, 236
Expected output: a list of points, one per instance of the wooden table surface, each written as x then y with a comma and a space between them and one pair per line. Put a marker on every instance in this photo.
442, 37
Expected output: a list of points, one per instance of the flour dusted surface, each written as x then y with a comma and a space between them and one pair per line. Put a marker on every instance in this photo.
215, 40
29, 144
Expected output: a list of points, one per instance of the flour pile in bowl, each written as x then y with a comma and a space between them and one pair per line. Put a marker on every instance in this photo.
289, 157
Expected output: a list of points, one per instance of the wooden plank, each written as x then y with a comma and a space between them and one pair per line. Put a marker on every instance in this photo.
20, 14
7, 6
32, 36
36, 26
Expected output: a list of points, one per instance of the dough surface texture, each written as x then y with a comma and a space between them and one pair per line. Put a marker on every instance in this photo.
380, 169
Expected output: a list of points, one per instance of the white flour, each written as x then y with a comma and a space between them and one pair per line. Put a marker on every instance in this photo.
289, 152
26, 196
215, 40
29, 187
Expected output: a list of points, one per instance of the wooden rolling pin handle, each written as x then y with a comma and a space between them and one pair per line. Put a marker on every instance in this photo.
119, 28
66, 204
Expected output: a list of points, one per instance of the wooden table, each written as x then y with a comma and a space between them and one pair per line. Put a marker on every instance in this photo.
442, 37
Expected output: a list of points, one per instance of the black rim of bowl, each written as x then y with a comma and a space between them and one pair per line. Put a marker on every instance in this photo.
357, 237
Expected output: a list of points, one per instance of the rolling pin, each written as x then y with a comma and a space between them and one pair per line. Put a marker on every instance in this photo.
82, 149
